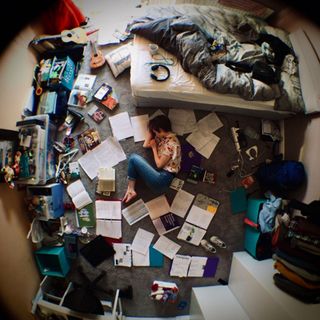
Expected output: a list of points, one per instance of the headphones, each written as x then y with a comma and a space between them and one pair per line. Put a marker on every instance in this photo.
155, 68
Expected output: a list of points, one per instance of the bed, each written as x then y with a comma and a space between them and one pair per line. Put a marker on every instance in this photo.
191, 86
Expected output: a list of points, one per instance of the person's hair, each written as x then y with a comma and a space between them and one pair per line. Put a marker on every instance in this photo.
160, 122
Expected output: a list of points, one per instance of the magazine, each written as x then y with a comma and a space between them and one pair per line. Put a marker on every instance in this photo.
88, 140
96, 114
106, 96
197, 174
81, 92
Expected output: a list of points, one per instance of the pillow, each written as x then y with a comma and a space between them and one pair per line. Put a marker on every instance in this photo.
119, 59
247, 7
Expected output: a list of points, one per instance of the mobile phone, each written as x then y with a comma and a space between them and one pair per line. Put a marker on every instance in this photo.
102, 92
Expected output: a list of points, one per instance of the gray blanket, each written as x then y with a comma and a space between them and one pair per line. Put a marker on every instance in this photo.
208, 41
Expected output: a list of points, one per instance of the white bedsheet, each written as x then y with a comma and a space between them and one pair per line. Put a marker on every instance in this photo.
180, 86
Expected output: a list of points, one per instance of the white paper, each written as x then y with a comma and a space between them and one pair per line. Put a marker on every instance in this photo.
140, 127
167, 247
198, 139
158, 207
108, 209
141, 260
84, 81
109, 228
181, 203
208, 148
191, 234
209, 123
135, 212
121, 126
123, 255
142, 241
108, 154
199, 217
180, 266
197, 266
182, 121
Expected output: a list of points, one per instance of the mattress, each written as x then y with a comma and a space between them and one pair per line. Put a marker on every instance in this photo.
181, 86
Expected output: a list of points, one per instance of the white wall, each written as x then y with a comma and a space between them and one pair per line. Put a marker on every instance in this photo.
19, 278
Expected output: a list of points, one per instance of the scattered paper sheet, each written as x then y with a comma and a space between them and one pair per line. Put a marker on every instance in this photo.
199, 217
121, 126
191, 234
108, 209
135, 212
142, 241
198, 139
109, 228
140, 127
208, 148
182, 121
108, 154
181, 203
141, 260
123, 255
209, 123
204, 143
158, 206
197, 266
180, 266
167, 247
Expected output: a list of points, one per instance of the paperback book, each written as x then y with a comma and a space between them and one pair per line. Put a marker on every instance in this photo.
85, 216
106, 96
81, 92
197, 174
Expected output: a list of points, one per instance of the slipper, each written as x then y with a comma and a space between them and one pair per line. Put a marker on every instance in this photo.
208, 246
218, 242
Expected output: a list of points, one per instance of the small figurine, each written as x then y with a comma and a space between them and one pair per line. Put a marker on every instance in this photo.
16, 165
9, 175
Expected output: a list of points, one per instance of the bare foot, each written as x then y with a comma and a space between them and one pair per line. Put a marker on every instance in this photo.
130, 195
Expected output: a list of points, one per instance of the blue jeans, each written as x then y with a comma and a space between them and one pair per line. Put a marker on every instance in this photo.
138, 167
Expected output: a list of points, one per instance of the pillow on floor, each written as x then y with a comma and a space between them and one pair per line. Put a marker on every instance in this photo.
119, 59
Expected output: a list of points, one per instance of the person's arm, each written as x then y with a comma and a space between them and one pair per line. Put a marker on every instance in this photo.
147, 140
160, 161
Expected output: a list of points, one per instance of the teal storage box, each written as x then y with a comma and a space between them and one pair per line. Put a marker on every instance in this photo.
52, 261
257, 244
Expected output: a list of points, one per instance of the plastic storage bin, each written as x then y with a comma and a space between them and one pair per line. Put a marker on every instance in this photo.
257, 244
52, 261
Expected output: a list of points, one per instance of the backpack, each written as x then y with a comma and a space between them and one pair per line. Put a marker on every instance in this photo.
281, 176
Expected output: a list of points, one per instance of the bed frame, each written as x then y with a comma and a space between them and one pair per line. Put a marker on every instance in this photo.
307, 48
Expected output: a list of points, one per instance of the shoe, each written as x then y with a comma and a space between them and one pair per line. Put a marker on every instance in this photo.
208, 246
218, 242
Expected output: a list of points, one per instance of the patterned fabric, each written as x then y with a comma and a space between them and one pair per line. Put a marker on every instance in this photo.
170, 146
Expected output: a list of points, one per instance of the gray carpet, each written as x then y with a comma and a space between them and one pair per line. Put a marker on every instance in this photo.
225, 225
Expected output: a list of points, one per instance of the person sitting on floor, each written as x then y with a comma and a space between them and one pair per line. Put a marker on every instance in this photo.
167, 156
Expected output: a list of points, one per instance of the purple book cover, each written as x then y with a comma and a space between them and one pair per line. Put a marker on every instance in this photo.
211, 267
189, 157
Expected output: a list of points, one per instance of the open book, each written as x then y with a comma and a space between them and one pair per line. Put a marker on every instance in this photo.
79, 195
187, 266
81, 92
163, 220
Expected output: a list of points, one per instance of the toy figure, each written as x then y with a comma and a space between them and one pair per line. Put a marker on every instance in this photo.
9, 175
16, 165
